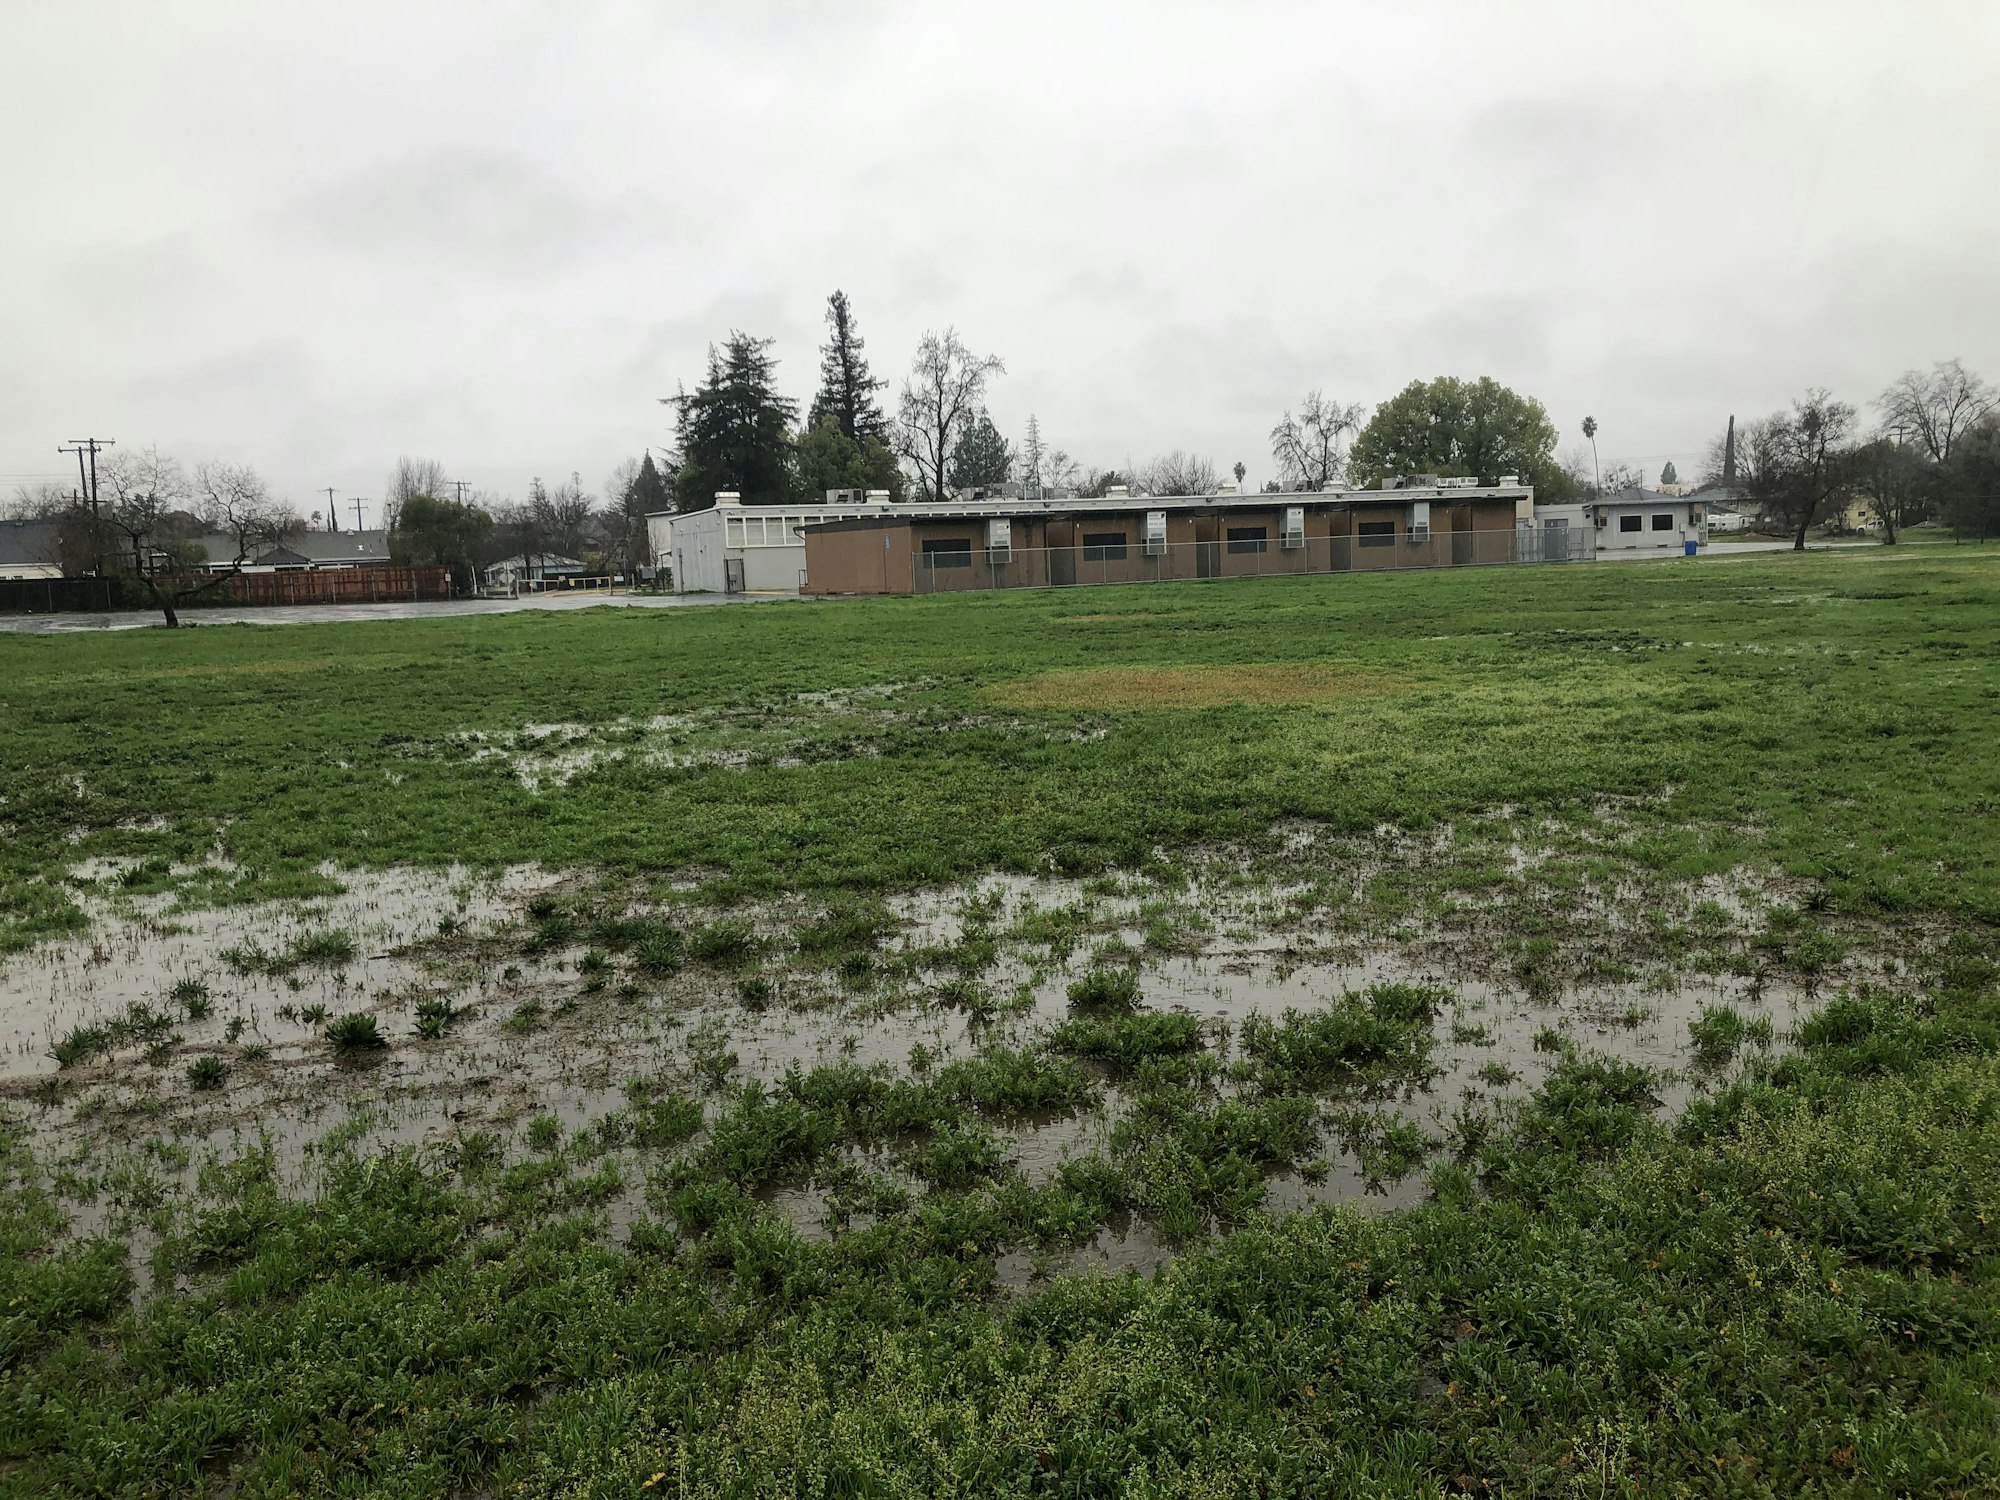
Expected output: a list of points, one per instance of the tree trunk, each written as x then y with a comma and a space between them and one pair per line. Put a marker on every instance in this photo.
1805, 525
1888, 525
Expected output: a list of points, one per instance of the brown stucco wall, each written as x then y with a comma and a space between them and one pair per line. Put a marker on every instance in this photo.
857, 561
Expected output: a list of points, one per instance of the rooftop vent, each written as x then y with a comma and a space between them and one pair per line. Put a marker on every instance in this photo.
876, 497
1117, 491
728, 497
1225, 489
1509, 481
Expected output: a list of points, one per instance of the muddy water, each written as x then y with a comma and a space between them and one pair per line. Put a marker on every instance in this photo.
534, 1038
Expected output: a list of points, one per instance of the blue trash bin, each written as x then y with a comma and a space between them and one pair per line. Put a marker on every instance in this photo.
1687, 549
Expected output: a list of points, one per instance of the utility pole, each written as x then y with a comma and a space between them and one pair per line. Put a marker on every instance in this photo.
81, 446
461, 489
357, 513
332, 512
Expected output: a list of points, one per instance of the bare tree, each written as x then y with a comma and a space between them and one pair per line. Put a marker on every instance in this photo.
1936, 408
564, 513
411, 476
145, 487
36, 502
945, 387
239, 507
1308, 447
1178, 473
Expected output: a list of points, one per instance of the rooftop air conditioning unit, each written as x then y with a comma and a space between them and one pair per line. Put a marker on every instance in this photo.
1117, 491
875, 497
1509, 481
1463, 483
1225, 489
728, 497
1295, 526
1156, 533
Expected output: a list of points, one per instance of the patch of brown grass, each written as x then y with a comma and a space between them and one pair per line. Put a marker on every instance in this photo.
1250, 683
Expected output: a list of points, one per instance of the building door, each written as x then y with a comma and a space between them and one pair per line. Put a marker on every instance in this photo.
1555, 539
1207, 550
1461, 534
1060, 538
732, 575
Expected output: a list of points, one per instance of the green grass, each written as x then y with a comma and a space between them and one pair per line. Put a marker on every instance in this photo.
1790, 1287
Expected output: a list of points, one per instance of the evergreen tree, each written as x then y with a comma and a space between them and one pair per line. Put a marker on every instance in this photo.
735, 429
981, 455
1669, 475
846, 389
829, 460
649, 493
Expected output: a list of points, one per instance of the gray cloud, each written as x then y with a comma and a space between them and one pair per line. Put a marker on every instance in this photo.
315, 239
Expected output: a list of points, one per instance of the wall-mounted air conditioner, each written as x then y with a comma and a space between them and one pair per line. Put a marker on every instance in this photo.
1156, 533
999, 539
1295, 526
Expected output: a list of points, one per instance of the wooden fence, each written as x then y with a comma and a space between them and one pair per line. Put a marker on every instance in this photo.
336, 586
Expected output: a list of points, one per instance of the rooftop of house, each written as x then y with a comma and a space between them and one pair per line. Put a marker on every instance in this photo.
24, 542
307, 548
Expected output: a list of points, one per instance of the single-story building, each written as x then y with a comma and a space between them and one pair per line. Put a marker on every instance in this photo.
1124, 538
733, 548
1637, 522
30, 549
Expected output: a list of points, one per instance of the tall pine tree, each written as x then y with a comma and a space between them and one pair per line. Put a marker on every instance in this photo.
735, 429
846, 389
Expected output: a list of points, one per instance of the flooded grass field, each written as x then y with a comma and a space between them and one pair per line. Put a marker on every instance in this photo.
1457, 1034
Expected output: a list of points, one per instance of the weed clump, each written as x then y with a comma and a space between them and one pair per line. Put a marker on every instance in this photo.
1122, 1041
1106, 991
1720, 1031
1363, 1037
80, 1044
728, 941
356, 1032
434, 1017
207, 1073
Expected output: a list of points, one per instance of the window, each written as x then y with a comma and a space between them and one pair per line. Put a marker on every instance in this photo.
1376, 533
1629, 523
1248, 538
1104, 546
948, 551
1663, 523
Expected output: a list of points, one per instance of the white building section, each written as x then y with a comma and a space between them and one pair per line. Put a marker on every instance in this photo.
733, 548
1633, 523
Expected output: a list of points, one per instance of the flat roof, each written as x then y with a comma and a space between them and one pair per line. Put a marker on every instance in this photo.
960, 510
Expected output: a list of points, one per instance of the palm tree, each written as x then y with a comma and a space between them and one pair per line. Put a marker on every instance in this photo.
1590, 431
1240, 472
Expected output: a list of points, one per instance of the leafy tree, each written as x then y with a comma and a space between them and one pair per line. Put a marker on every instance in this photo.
944, 387
1307, 447
1797, 464
1970, 483
436, 532
735, 430
846, 387
1898, 481
1936, 407
410, 477
830, 460
1455, 427
981, 456
1669, 475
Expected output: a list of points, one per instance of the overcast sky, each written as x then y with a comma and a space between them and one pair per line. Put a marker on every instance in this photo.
314, 237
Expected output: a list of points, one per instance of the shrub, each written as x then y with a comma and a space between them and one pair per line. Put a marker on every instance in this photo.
1121, 1041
